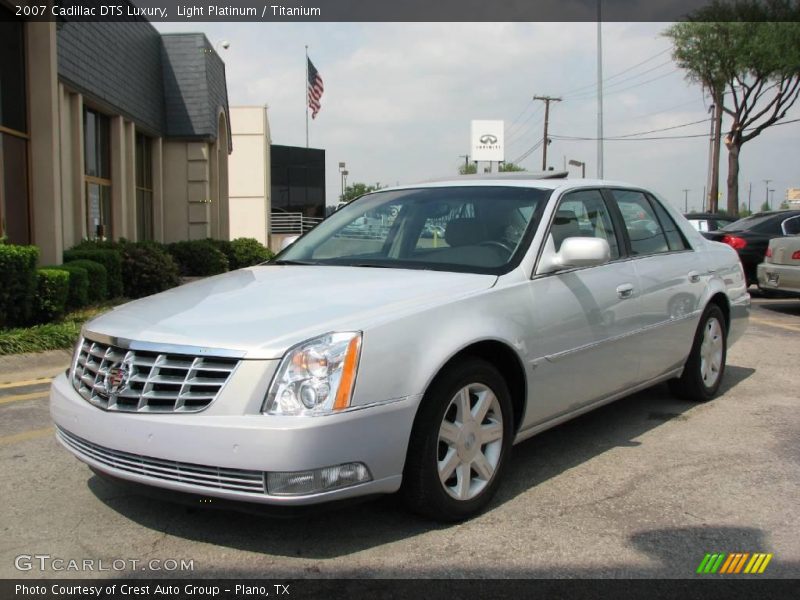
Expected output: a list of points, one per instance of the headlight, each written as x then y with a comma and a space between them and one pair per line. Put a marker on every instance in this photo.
316, 377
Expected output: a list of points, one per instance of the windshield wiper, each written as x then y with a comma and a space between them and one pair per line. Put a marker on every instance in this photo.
283, 261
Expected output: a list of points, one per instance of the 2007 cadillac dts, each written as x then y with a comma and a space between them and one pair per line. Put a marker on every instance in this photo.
405, 344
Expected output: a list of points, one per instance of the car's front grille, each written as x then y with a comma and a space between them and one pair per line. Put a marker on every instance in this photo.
221, 478
117, 379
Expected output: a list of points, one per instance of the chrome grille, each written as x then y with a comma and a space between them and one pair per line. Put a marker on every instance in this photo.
147, 381
239, 480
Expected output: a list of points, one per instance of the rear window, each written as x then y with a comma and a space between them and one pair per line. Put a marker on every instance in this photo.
760, 223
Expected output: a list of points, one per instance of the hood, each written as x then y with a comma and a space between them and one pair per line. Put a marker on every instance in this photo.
262, 311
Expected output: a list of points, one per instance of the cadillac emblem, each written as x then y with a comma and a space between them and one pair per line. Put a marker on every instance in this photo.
118, 377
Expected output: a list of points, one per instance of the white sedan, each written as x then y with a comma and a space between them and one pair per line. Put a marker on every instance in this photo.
356, 365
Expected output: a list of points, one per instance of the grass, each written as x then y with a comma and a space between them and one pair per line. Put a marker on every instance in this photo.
49, 336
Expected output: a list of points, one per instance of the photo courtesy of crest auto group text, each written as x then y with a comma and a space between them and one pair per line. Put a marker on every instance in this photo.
371, 299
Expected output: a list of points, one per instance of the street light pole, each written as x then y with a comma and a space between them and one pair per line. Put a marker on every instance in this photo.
582, 165
686, 200
599, 89
341, 177
766, 191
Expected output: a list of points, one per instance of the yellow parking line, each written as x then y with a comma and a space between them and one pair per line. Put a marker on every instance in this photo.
21, 397
774, 324
13, 384
25, 436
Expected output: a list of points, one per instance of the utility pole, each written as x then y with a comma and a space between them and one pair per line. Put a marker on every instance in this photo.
766, 190
599, 89
547, 100
749, 197
712, 201
686, 200
466, 162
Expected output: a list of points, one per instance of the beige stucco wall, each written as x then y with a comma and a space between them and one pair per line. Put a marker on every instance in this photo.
249, 173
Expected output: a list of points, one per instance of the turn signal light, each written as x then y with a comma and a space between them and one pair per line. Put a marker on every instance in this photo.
734, 242
796, 255
769, 253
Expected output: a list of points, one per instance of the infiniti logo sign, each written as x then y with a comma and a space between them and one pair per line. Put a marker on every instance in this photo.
488, 138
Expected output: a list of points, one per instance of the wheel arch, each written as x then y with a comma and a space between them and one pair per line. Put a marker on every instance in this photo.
721, 300
506, 360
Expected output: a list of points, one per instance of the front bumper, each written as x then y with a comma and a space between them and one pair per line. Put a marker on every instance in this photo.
784, 279
165, 444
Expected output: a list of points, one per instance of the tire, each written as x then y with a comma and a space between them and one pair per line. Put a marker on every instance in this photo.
471, 454
705, 367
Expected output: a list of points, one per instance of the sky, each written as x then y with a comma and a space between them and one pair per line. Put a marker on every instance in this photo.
399, 98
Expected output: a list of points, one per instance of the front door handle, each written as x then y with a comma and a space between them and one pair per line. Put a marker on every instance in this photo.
694, 276
625, 291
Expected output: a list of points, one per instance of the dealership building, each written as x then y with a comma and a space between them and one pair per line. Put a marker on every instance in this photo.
110, 130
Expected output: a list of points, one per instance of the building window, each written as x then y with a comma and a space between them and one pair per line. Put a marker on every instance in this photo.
144, 187
14, 201
97, 161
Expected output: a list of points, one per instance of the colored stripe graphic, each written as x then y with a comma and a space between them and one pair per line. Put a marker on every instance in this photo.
734, 563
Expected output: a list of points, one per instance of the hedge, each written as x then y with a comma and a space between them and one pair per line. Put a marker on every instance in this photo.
52, 291
18, 283
147, 269
243, 252
198, 258
110, 259
98, 279
78, 296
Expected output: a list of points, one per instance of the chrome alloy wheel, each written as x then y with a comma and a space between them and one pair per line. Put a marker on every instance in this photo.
470, 441
711, 352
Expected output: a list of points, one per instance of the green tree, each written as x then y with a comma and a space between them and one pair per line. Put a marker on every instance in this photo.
752, 47
468, 169
356, 190
508, 167
765, 206
785, 205
743, 211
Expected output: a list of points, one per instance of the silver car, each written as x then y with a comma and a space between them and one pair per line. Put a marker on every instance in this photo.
779, 274
352, 366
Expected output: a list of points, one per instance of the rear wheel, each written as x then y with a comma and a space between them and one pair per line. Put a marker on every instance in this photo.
705, 367
460, 443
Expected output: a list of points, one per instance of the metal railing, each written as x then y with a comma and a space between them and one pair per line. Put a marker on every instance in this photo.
292, 223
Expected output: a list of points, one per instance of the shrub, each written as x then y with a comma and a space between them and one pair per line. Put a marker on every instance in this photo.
98, 279
17, 283
198, 258
78, 295
110, 259
147, 269
52, 291
246, 252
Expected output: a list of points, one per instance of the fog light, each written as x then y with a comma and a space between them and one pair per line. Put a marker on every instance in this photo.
299, 483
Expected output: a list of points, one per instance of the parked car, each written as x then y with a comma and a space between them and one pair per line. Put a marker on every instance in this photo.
750, 236
709, 221
350, 367
779, 274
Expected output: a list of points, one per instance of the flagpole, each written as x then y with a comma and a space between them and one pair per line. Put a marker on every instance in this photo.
306, 95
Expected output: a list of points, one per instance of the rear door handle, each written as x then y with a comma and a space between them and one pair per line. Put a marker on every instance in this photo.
625, 291
694, 276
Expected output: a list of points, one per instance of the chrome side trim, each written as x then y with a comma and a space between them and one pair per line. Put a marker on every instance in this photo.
538, 428
128, 344
572, 351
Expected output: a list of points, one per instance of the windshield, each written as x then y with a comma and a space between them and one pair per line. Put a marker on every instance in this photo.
479, 229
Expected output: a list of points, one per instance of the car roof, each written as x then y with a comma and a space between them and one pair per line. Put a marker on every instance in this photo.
710, 216
518, 180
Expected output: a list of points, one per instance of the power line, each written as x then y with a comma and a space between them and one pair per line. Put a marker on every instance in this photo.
527, 153
630, 87
626, 79
610, 77
521, 127
630, 138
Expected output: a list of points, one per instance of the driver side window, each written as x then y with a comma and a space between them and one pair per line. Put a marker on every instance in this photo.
584, 214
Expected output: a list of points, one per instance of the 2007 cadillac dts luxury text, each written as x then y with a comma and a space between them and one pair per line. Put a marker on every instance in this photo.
405, 344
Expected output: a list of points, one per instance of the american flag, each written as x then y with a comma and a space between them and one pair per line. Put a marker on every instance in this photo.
315, 89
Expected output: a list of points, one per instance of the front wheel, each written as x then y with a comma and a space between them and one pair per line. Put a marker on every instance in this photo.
460, 443
702, 374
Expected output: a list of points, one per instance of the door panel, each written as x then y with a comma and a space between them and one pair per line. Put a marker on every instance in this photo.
584, 320
583, 337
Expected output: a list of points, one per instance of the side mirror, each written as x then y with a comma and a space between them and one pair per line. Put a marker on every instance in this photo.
575, 252
288, 241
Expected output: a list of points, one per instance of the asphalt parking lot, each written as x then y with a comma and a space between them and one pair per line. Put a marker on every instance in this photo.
641, 488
